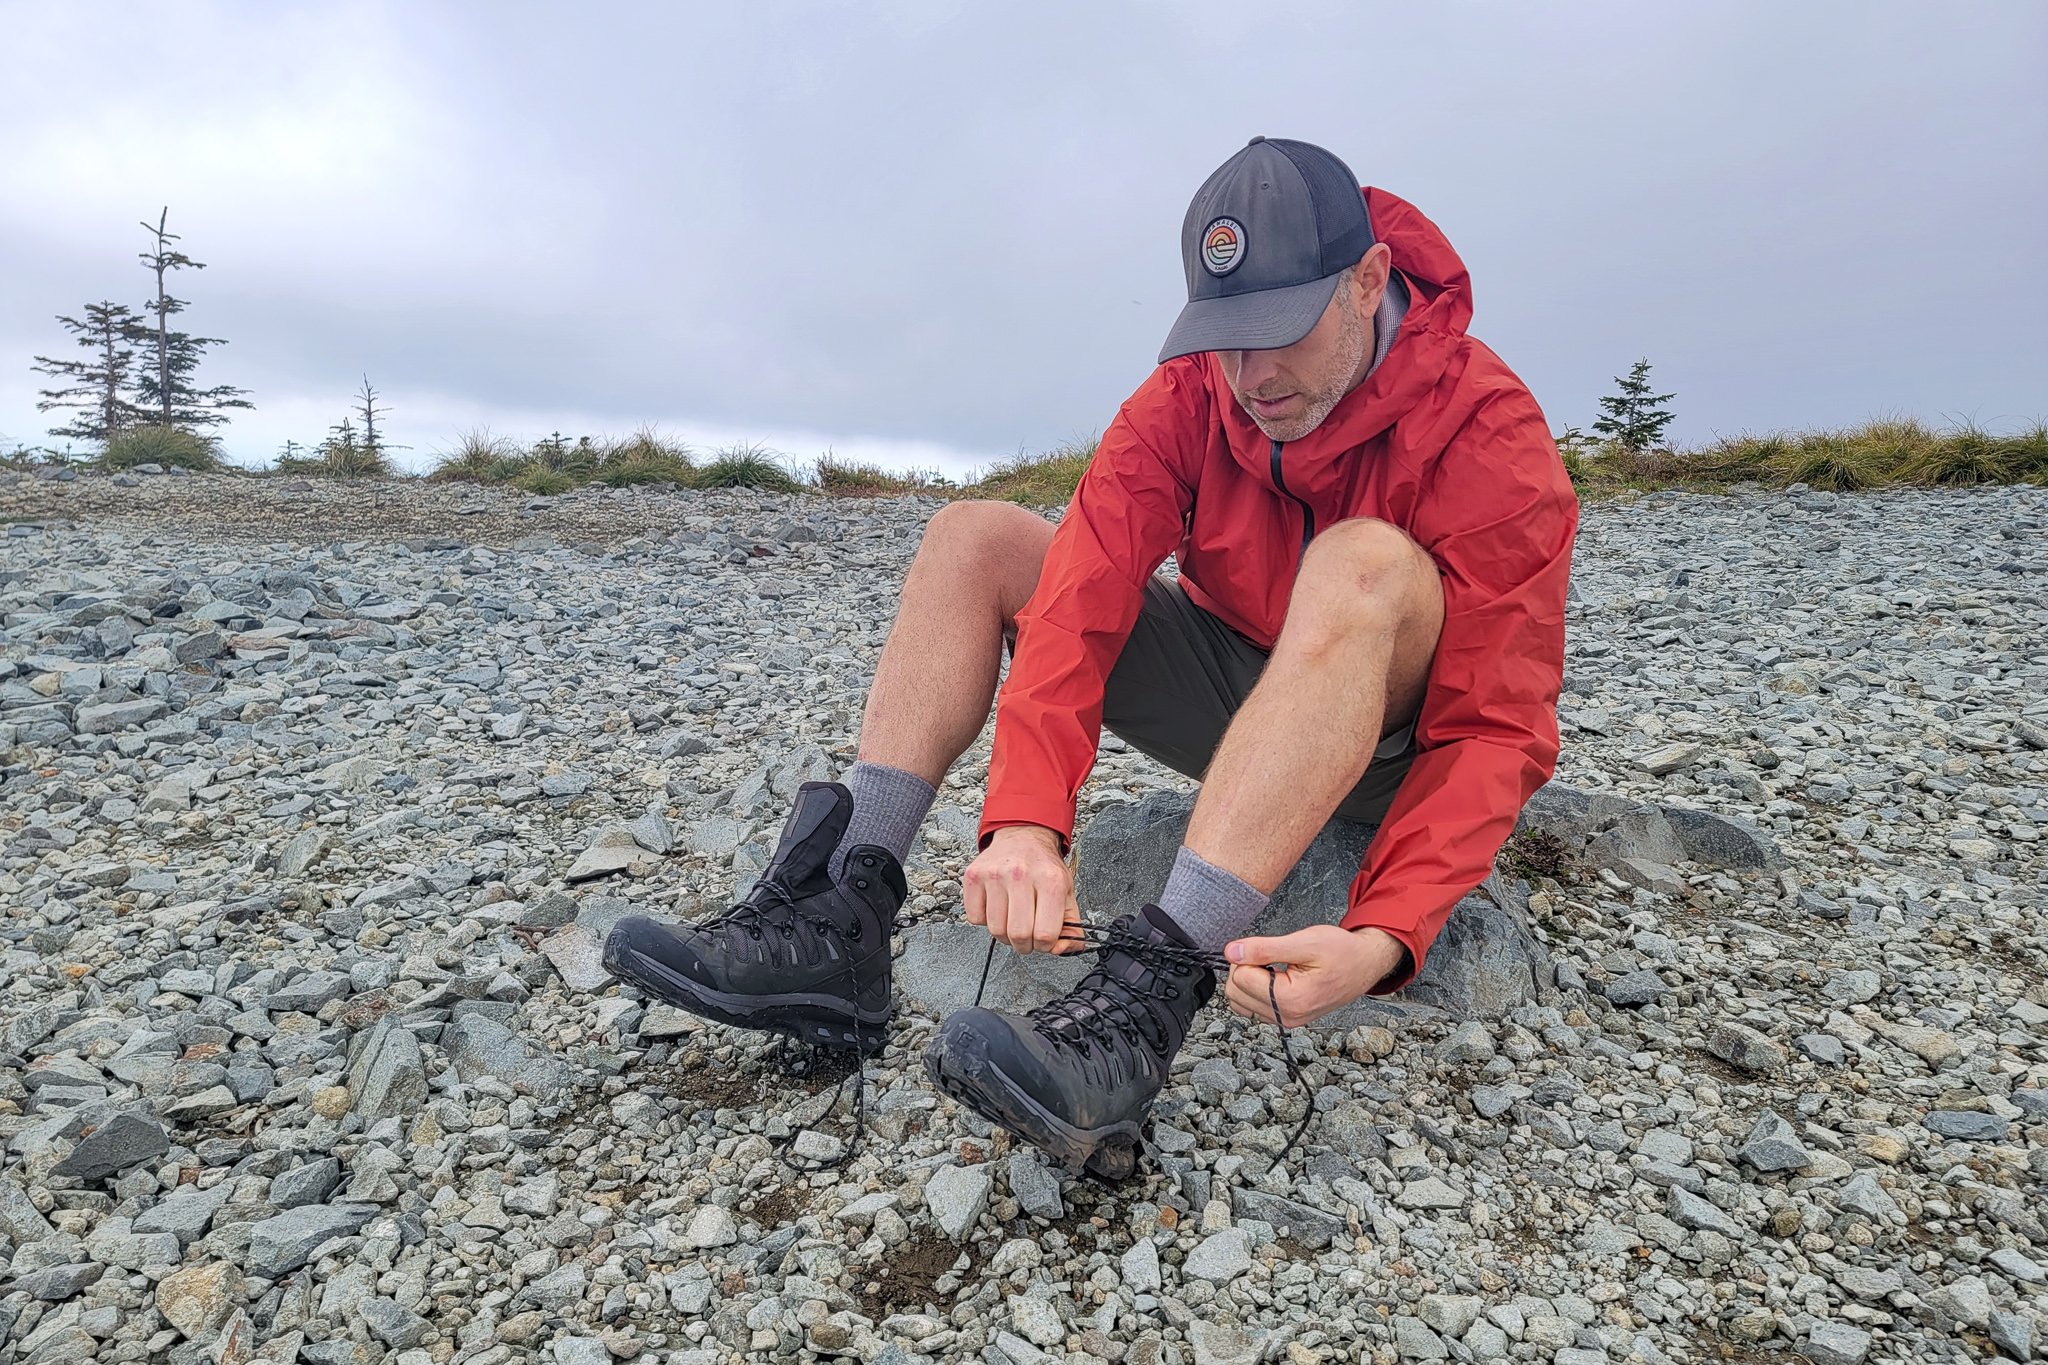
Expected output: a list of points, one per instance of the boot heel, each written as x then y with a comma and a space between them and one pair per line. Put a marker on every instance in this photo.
1115, 1159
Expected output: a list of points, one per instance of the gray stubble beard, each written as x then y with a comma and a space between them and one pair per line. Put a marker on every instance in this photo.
1353, 342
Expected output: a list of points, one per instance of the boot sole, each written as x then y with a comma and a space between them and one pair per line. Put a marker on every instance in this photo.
823, 1020
965, 1074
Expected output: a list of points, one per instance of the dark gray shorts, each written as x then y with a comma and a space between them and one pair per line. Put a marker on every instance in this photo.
1181, 677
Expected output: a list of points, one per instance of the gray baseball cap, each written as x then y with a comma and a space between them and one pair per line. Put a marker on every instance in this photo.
1262, 244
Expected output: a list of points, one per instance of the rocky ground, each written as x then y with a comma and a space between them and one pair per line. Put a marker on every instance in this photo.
314, 803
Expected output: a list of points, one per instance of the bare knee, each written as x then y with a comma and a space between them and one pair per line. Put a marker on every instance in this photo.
1362, 571
982, 543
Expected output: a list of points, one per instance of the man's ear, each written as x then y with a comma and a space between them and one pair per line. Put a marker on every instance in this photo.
1373, 269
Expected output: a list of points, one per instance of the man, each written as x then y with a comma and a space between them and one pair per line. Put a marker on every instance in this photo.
1373, 529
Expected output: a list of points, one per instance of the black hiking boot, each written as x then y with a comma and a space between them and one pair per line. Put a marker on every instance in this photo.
803, 954
1076, 1075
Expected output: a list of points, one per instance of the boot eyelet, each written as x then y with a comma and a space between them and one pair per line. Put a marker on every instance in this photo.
867, 861
861, 882
854, 933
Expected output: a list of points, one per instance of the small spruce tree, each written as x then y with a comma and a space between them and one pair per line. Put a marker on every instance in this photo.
341, 438
366, 405
168, 394
1634, 421
95, 390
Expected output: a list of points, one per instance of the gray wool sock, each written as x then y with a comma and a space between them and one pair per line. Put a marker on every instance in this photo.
1210, 905
888, 806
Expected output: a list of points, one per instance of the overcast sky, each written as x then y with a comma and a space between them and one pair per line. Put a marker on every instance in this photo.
936, 234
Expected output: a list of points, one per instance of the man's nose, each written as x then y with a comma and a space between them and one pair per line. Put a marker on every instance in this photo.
1254, 368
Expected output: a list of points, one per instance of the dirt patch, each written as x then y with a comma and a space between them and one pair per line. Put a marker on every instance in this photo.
904, 1281
1718, 1069
778, 1208
1074, 1224
1295, 1252
2015, 958
820, 1069
704, 1086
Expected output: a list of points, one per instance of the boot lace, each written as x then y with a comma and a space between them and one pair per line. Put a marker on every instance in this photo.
1103, 1005
1090, 1010
770, 906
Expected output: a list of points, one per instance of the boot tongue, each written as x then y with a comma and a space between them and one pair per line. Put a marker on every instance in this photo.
1128, 965
803, 856
1163, 926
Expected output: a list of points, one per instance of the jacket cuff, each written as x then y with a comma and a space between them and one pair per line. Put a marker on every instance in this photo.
1002, 812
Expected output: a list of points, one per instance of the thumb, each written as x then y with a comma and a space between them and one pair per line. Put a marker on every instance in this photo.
1254, 952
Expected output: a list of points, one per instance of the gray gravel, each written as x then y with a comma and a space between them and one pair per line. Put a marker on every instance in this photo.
306, 843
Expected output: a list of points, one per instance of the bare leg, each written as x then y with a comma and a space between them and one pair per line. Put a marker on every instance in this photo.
1351, 664
975, 569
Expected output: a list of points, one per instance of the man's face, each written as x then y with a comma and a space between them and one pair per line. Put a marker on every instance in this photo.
1289, 391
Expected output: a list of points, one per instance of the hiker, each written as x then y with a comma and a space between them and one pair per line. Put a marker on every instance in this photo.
1373, 529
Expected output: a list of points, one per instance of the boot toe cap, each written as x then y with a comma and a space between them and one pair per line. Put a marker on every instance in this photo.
637, 941
973, 1040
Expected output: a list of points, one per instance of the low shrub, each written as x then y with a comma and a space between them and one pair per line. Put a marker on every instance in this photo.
161, 445
1532, 854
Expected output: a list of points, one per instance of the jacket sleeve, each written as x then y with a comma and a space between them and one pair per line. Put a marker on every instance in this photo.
1122, 522
1499, 518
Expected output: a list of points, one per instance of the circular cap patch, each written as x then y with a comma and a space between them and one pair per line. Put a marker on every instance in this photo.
1222, 246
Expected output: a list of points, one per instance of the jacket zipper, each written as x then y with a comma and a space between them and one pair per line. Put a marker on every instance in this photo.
1308, 516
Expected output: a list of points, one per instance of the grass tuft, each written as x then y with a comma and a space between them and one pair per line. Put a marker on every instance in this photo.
1967, 456
1046, 480
160, 445
853, 479
539, 479
1830, 460
748, 466
478, 457
2029, 454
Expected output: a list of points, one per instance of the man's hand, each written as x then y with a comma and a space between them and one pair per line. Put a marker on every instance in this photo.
1327, 968
1020, 888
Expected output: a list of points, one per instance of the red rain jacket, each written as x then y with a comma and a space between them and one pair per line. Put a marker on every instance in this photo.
1443, 441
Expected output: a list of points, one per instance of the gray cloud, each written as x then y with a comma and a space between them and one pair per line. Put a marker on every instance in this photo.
942, 233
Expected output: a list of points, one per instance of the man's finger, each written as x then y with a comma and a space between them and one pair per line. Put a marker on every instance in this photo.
1262, 987
1052, 916
1070, 925
1023, 915
1245, 1002
975, 897
996, 910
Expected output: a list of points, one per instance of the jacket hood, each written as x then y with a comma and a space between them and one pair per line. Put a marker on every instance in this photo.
1430, 336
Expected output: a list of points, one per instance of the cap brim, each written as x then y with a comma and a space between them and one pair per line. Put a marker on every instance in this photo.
1263, 321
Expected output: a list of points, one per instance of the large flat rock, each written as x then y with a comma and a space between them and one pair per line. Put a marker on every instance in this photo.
1484, 963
